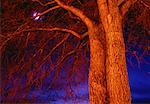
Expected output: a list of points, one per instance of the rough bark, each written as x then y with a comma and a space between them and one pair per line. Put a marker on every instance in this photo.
97, 81
117, 79
116, 72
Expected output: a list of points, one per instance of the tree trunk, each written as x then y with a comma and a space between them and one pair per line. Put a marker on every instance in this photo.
117, 79
97, 81
116, 72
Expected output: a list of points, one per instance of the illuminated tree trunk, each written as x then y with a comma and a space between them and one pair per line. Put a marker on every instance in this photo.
97, 81
116, 72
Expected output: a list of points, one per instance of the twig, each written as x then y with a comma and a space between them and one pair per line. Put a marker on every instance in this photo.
145, 4
49, 3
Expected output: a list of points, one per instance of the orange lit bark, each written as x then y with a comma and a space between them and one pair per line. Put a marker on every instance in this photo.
97, 81
116, 72
117, 78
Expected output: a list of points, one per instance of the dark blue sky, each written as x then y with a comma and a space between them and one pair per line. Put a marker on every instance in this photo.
139, 80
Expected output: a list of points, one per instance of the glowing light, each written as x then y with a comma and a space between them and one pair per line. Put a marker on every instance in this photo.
36, 16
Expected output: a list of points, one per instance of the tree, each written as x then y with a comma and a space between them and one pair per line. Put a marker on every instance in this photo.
108, 80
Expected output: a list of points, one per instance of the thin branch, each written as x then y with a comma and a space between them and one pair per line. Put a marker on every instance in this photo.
49, 3
124, 7
120, 2
67, 55
53, 29
84, 35
54, 48
2, 36
48, 10
50, 53
73, 17
39, 51
76, 12
20, 28
56, 29
62, 59
146, 5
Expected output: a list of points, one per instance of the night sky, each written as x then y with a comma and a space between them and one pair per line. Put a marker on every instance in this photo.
28, 75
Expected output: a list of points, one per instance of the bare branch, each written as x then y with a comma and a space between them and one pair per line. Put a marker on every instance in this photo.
76, 12
146, 5
68, 54
49, 3
45, 29
56, 29
49, 54
2, 36
84, 35
120, 2
124, 7
72, 9
48, 10
53, 49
